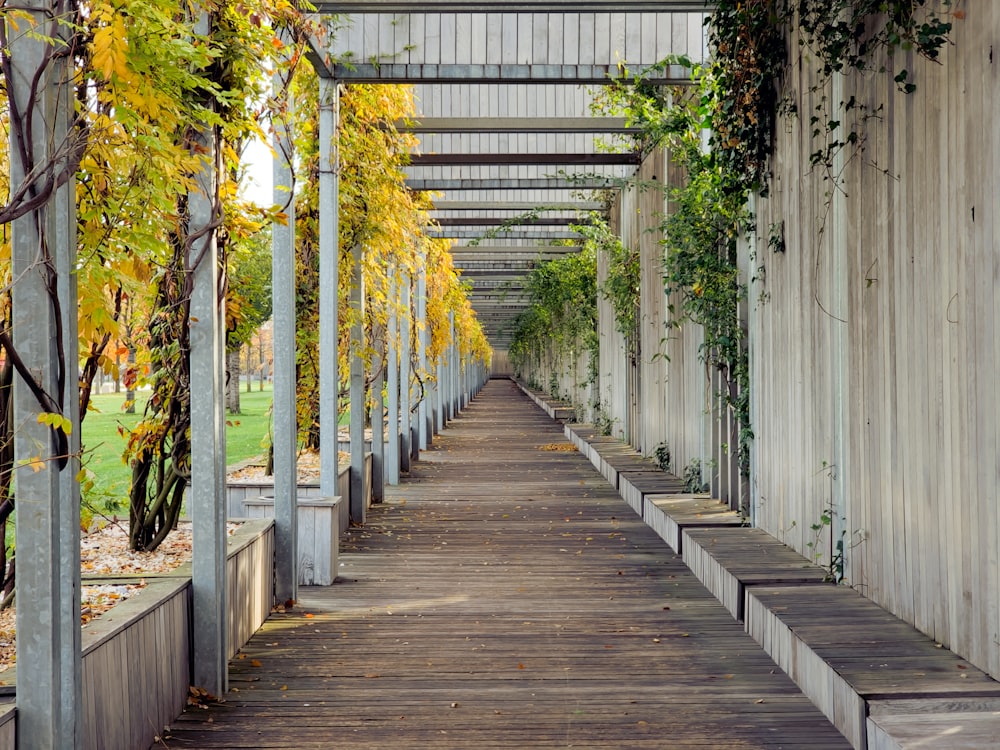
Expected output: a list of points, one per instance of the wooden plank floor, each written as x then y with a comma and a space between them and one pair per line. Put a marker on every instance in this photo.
506, 597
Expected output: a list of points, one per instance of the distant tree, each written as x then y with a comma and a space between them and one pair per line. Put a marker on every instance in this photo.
248, 303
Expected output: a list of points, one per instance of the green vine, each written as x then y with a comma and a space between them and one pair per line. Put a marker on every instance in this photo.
621, 284
748, 39
562, 310
737, 99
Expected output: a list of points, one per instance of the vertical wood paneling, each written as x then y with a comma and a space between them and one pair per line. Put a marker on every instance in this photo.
921, 432
616, 37
7, 727
448, 38
571, 39
509, 39
602, 37
432, 38
639, 39
477, 38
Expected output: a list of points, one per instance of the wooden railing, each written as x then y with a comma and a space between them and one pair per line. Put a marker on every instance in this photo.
136, 667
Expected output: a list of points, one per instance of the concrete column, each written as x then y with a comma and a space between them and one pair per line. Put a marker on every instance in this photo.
404, 373
358, 403
392, 386
432, 396
378, 436
423, 341
440, 388
455, 369
840, 311
208, 449
285, 423
43, 246
329, 220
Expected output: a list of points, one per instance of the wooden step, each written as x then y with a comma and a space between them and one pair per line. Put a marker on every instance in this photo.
847, 654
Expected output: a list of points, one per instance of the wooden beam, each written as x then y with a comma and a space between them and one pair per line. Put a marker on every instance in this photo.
516, 125
352, 7
485, 252
518, 206
674, 75
583, 182
514, 221
517, 234
488, 159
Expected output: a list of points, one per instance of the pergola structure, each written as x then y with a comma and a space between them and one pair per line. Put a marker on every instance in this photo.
508, 143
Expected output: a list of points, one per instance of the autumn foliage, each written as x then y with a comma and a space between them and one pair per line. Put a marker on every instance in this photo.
153, 80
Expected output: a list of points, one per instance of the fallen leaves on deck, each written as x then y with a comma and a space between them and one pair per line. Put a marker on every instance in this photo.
558, 447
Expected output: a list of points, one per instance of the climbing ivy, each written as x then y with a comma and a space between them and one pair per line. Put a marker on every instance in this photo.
749, 40
621, 283
721, 132
562, 309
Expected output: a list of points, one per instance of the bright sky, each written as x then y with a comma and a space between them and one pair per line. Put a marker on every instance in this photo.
257, 184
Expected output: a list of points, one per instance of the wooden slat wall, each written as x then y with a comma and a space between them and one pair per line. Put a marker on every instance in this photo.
673, 381
7, 727
571, 375
615, 377
250, 584
501, 100
654, 368
135, 681
921, 412
526, 38
501, 365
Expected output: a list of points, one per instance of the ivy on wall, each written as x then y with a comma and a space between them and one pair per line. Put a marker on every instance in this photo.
721, 131
621, 283
562, 310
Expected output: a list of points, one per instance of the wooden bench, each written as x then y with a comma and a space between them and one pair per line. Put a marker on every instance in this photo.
635, 485
669, 515
857, 662
955, 723
730, 560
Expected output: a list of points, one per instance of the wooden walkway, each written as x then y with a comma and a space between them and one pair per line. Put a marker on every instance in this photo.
506, 597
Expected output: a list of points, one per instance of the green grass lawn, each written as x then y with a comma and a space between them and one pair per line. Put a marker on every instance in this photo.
246, 435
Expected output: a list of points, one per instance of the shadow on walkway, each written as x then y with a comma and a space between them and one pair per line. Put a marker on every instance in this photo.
505, 597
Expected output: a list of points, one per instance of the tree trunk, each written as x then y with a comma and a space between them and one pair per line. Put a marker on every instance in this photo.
260, 351
130, 393
249, 368
233, 381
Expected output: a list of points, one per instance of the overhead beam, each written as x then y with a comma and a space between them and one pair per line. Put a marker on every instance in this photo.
518, 206
489, 159
582, 182
516, 125
515, 221
516, 234
351, 7
485, 252
387, 72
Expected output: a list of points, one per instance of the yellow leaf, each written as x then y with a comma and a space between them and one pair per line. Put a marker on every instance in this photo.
56, 421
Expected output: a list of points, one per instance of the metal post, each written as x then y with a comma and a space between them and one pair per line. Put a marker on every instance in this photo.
440, 388
48, 512
208, 449
286, 576
358, 406
422, 344
453, 366
838, 320
378, 436
404, 372
329, 202
432, 397
392, 362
